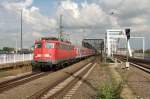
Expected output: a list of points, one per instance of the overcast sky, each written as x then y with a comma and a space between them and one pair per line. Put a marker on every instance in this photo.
41, 18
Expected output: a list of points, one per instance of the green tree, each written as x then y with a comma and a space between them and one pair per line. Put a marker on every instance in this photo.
8, 49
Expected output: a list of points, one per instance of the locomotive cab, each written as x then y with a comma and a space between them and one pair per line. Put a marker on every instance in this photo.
44, 52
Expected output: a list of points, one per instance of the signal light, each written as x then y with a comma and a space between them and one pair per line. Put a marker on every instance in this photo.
127, 31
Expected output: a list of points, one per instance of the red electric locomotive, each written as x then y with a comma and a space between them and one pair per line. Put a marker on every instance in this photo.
49, 52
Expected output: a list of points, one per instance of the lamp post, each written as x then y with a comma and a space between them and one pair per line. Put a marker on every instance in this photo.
21, 32
16, 43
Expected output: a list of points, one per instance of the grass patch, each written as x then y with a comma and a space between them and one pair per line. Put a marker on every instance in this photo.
108, 60
109, 91
111, 88
4, 74
104, 64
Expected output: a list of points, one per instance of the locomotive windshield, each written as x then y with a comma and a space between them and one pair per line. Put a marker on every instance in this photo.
38, 45
49, 45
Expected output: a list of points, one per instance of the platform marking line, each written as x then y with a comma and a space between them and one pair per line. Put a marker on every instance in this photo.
75, 88
63, 84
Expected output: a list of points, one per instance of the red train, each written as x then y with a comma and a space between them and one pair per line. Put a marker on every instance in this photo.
51, 53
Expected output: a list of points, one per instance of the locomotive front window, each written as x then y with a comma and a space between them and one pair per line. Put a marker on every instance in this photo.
49, 45
38, 45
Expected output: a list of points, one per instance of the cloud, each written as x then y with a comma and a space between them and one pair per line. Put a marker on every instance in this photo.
94, 16
70, 7
134, 14
34, 23
31, 15
83, 15
38, 21
38, 35
14, 5
127, 12
98, 13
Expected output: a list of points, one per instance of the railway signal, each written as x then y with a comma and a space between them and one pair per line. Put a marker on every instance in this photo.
127, 31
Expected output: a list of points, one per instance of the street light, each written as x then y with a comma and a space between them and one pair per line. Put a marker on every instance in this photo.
21, 32
20, 11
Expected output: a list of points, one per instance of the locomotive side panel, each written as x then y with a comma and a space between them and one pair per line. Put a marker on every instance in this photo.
64, 52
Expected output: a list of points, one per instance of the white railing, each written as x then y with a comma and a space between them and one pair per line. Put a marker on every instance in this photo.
12, 58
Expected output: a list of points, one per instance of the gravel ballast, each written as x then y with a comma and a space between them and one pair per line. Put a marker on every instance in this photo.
28, 89
89, 87
137, 80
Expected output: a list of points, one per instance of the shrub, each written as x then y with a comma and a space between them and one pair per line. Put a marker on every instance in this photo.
109, 91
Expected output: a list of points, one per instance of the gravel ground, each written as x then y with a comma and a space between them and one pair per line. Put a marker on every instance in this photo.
137, 80
99, 76
28, 89
9, 74
88, 88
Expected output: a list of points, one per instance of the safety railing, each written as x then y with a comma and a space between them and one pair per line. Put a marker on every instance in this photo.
13, 58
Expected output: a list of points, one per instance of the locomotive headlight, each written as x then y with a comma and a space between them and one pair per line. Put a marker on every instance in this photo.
46, 55
38, 55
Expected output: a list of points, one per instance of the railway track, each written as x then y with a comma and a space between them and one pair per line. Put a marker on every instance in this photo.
145, 66
6, 85
64, 86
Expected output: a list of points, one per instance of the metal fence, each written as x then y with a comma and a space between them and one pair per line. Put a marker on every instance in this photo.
12, 58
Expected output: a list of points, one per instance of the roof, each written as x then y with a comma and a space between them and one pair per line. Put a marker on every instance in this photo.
54, 41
